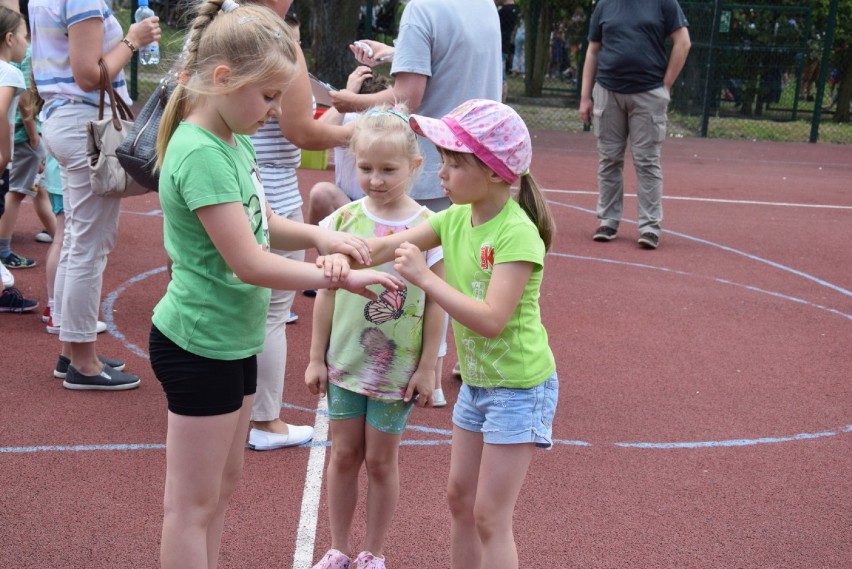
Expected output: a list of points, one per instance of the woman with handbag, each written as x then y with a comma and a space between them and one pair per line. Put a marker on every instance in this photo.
69, 40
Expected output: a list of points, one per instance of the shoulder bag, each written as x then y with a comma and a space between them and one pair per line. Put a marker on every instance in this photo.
107, 177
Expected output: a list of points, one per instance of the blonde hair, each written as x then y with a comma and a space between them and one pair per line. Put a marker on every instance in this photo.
251, 40
529, 197
385, 124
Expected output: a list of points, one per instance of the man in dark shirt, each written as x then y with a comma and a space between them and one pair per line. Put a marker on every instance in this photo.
627, 65
508, 12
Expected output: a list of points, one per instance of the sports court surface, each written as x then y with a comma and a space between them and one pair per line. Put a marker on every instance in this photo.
705, 414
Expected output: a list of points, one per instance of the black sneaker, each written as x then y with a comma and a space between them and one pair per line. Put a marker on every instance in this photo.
605, 233
649, 240
11, 300
310, 292
62, 364
108, 380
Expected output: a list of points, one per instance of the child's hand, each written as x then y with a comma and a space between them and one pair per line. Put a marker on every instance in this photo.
316, 377
347, 244
410, 263
422, 383
357, 282
356, 78
335, 266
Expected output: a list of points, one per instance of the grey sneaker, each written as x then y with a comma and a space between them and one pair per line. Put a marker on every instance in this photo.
61, 369
649, 240
108, 380
605, 233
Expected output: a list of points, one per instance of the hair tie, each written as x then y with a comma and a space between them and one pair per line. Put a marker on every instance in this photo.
393, 111
526, 173
229, 6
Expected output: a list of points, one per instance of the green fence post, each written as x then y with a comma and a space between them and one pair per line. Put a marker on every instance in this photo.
823, 69
711, 69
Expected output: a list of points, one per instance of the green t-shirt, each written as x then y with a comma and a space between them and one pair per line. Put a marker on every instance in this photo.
20, 132
520, 356
375, 345
207, 310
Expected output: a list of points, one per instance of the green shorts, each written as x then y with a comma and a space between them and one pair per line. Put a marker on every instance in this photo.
387, 417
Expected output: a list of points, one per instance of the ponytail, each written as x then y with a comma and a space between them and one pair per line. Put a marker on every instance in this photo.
533, 203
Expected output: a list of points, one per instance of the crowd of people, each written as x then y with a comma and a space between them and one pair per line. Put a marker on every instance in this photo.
434, 217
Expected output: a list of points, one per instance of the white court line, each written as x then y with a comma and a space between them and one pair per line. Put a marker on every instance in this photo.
308, 518
711, 200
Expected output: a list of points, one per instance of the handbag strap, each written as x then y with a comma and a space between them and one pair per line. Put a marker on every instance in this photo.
120, 109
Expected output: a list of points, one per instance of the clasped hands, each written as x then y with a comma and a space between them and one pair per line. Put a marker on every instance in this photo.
408, 262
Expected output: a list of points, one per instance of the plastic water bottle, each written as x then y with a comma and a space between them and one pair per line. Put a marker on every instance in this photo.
150, 54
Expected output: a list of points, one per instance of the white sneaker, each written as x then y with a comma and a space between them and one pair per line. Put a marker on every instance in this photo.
438, 399
8, 278
264, 440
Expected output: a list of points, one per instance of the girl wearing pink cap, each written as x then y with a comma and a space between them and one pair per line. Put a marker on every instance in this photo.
494, 249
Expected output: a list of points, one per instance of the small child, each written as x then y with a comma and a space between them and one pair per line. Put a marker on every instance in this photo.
494, 248
374, 359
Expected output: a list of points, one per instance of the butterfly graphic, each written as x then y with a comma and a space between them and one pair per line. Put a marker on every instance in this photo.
387, 307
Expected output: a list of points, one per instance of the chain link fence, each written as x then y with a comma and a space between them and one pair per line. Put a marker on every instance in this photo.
754, 72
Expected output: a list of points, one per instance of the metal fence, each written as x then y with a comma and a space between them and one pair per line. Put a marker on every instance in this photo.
753, 73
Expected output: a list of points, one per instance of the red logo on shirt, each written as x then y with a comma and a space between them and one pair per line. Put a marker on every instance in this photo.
486, 257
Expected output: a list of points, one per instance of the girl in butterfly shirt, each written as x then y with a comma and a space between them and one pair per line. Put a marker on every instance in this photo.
494, 249
376, 359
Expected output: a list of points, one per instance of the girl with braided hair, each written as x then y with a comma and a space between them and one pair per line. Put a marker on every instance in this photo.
209, 325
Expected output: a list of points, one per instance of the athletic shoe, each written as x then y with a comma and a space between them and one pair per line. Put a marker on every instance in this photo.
15, 261
292, 318
61, 369
51, 328
367, 560
11, 300
7, 276
605, 233
44, 237
438, 399
311, 292
649, 240
264, 440
45, 316
457, 370
108, 380
333, 559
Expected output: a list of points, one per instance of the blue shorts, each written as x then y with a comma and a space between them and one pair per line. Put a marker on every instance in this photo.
56, 203
507, 416
387, 417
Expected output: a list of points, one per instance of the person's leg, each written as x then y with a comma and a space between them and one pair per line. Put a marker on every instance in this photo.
52, 261
44, 210
201, 471
610, 127
7, 226
465, 543
501, 476
91, 228
271, 371
382, 461
347, 455
647, 133
323, 199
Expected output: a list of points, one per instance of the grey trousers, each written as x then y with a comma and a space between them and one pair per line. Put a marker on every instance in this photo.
641, 119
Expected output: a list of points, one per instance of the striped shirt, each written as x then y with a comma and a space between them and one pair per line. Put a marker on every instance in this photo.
50, 22
277, 160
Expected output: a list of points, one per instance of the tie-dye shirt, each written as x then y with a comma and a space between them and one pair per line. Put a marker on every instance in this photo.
50, 21
375, 345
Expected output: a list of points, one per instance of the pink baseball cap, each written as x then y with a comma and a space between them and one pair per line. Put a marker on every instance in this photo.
491, 131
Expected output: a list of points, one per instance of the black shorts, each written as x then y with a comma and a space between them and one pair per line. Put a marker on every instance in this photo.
199, 386
4, 189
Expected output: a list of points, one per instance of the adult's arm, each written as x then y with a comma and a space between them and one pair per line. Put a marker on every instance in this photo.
85, 48
590, 69
677, 59
407, 88
297, 119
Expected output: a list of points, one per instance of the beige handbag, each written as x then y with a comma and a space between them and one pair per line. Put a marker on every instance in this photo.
107, 177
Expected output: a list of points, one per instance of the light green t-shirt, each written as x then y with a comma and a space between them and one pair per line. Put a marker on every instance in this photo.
375, 345
520, 356
207, 310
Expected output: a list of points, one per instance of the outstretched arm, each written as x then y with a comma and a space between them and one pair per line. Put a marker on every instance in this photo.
486, 317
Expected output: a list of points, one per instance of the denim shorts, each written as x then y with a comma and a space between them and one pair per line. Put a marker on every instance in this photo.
387, 417
508, 416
